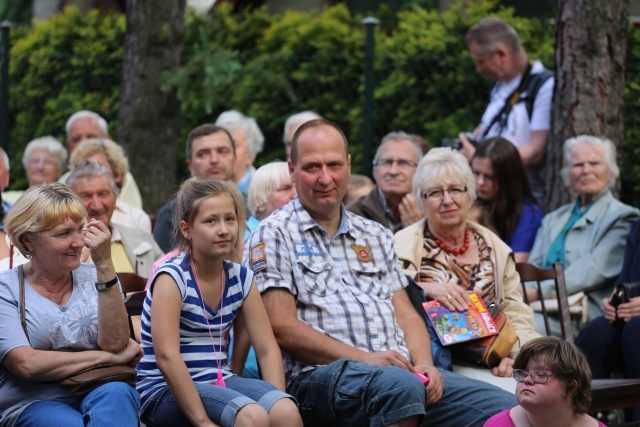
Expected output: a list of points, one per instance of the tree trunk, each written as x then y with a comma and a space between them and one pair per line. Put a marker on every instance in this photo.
591, 44
149, 117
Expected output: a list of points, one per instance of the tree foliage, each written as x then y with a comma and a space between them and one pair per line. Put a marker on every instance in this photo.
271, 66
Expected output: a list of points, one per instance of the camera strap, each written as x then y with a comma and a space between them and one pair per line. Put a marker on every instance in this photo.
512, 100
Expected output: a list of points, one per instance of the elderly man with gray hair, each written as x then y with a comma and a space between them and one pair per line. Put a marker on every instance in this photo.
391, 202
249, 143
132, 250
85, 124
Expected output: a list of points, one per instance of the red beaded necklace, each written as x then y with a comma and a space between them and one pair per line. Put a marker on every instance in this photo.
455, 251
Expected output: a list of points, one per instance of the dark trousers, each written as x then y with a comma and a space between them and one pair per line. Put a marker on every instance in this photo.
608, 348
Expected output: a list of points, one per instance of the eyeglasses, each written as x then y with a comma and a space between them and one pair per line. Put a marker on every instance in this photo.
539, 377
438, 195
44, 160
402, 163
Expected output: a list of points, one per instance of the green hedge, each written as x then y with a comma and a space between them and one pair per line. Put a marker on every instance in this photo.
270, 66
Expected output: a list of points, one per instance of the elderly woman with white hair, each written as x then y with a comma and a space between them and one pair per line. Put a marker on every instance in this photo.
249, 142
292, 124
270, 189
586, 236
44, 160
450, 256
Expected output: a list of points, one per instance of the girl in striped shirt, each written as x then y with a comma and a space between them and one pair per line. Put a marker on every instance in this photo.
184, 377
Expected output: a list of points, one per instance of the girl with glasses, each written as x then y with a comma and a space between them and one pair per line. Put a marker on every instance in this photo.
553, 387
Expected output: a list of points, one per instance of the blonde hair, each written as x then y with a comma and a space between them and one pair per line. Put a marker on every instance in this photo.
112, 151
39, 209
264, 181
188, 200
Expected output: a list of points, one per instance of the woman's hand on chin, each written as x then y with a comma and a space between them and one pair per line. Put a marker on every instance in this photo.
98, 239
450, 295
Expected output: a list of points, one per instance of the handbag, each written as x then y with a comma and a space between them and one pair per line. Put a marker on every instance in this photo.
622, 294
578, 305
489, 351
85, 381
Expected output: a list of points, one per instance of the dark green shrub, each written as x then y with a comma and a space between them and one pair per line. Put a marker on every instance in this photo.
270, 66
64, 64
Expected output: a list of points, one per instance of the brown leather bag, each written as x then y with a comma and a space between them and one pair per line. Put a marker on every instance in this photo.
491, 350
85, 381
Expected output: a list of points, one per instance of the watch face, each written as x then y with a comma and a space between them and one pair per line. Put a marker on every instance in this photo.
103, 286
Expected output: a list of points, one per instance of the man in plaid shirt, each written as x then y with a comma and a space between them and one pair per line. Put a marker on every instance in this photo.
334, 292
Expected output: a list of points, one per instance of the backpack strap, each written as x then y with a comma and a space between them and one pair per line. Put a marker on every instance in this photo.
535, 83
512, 99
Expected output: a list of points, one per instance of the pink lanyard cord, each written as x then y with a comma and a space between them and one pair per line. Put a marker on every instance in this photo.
219, 379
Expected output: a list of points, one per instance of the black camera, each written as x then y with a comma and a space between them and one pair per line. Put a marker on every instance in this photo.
455, 143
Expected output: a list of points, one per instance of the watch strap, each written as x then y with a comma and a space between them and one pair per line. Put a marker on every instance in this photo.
103, 286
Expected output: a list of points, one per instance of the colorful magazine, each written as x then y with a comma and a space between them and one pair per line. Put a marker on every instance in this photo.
458, 326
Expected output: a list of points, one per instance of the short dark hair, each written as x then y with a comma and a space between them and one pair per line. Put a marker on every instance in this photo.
566, 362
204, 130
313, 124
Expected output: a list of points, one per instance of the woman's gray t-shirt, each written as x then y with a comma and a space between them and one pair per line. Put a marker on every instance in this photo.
73, 327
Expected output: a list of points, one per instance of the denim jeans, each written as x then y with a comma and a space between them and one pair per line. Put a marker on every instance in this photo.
356, 394
467, 402
114, 404
221, 403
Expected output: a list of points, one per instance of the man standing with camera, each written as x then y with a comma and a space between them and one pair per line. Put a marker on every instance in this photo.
519, 106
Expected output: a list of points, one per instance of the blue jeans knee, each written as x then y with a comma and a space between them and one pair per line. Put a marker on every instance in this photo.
358, 394
113, 404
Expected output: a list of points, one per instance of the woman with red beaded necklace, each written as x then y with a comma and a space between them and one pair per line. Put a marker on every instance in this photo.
450, 256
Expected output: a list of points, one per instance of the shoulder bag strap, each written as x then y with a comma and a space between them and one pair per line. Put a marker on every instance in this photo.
132, 334
23, 315
509, 103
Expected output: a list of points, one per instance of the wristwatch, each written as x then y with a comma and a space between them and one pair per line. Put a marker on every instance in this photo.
103, 286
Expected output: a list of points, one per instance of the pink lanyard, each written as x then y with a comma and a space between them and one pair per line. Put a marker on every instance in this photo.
219, 379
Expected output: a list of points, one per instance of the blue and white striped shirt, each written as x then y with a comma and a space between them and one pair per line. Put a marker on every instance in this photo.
342, 284
197, 350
